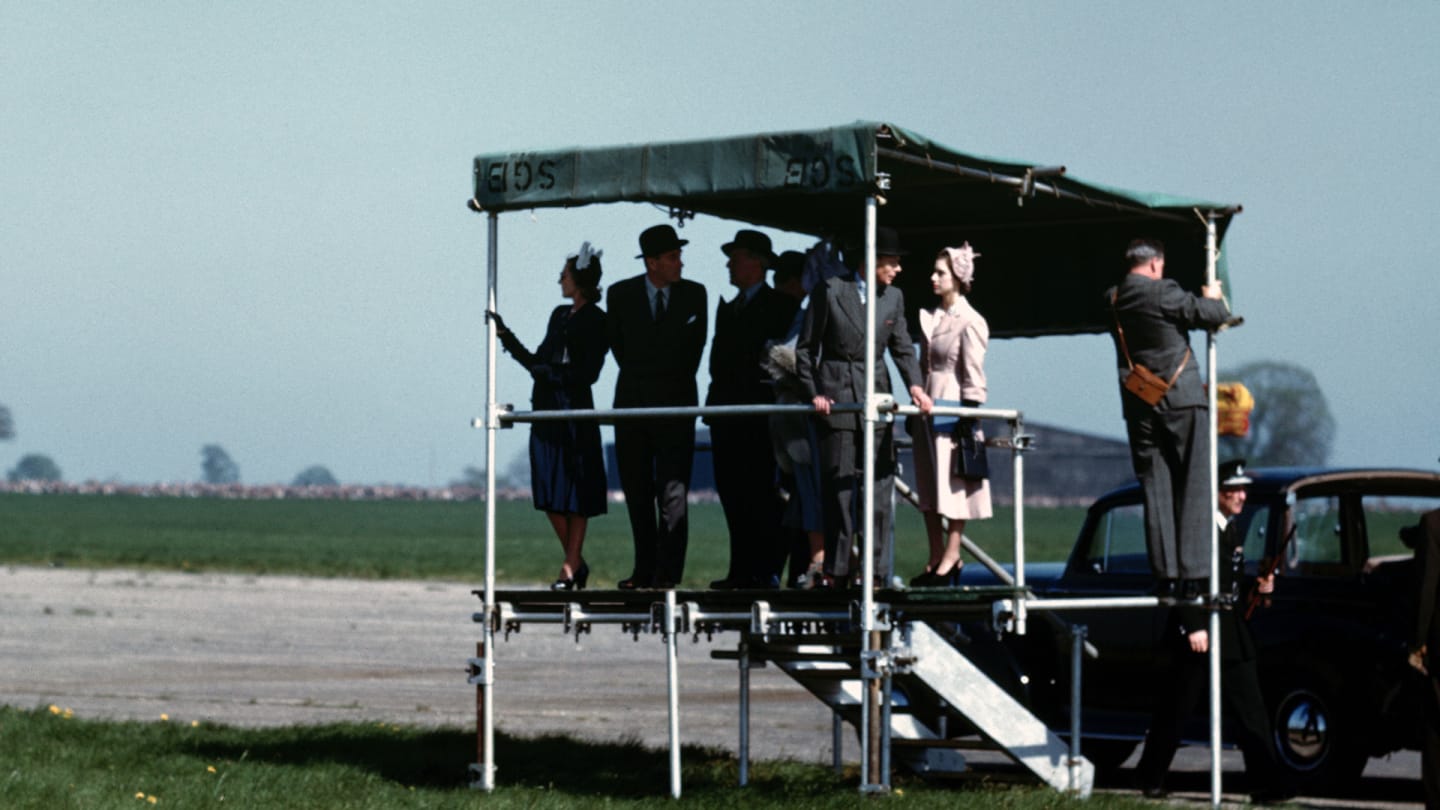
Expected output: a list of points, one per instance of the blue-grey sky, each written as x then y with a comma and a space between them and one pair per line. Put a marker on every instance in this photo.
244, 223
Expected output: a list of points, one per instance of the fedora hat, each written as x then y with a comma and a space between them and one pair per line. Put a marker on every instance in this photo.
753, 241
659, 239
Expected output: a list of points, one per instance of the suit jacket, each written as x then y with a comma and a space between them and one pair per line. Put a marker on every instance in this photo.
658, 361
1157, 315
1427, 563
736, 376
830, 354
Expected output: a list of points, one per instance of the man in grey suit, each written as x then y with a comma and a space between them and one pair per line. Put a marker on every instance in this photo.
656, 324
1169, 441
830, 362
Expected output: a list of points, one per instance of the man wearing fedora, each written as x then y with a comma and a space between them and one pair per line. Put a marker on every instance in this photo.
745, 468
656, 325
830, 362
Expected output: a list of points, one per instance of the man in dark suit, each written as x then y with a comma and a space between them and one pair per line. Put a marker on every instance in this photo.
830, 362
745, 469
1187, 631
656, 323
1169, 441
1424, 537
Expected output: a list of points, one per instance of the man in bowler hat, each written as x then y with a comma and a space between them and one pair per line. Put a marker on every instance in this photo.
657, 324
830, 362
745, 468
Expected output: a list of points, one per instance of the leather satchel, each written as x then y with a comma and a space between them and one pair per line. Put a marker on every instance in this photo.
1146, 384
1141, 381
968, 459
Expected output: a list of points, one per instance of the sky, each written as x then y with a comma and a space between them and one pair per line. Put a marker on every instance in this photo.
244, 224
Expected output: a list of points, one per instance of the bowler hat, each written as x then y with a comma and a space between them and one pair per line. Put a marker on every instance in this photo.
753, 241
887, 242
659, 239
1232, 474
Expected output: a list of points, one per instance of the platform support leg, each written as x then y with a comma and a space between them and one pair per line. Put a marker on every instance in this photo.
837, 745
744, 710
673, 685
1077, 650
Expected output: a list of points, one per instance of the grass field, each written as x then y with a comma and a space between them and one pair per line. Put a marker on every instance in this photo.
59, 762
400, 539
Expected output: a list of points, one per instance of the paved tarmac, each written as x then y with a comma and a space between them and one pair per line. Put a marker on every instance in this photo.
279, 650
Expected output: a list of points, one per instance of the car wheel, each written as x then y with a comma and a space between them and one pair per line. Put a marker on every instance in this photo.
1314, 737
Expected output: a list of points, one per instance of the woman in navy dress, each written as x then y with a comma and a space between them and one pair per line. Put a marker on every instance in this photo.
567, 469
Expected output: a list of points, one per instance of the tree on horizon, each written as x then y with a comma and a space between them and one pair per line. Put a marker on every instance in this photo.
35, 467
217, 466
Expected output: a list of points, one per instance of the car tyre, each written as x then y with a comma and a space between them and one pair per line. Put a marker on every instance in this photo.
1315, 737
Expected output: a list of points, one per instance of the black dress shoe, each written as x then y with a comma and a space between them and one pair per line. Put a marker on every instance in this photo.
1154, 792
729, 584
821, 581
563, 584
632, 584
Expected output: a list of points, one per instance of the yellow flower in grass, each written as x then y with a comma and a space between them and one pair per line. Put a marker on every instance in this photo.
54, 709
210, 768
194, 723
151, 799
164, 717
140, 795
68, 714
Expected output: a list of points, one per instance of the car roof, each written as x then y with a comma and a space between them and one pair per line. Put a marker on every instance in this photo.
1270, 479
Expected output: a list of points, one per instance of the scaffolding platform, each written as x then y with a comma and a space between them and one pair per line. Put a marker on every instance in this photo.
935, 701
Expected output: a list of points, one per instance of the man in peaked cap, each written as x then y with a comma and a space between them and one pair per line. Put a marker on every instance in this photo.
657, 324
1187, 632
745, 468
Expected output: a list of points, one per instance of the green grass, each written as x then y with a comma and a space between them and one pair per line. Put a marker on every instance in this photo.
400, 539
55, 762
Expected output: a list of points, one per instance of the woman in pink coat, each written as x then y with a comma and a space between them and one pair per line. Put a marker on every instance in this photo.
953, 339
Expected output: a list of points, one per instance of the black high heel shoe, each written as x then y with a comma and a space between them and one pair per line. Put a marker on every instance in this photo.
563, 584
582, 577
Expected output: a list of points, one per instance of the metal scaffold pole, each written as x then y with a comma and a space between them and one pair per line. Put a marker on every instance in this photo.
1211, 260
872, 694
487, 662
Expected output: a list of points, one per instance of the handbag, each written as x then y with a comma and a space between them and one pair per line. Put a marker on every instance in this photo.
1141, 381
968, 460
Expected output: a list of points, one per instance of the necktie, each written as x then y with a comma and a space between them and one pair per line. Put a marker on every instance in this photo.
659, 304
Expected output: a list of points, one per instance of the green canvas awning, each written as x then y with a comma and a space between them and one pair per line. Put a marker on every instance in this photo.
1050, 243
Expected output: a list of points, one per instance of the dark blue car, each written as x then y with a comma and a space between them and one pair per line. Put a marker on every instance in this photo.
1332, 640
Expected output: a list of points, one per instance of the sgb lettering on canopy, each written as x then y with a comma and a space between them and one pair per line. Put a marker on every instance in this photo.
519, 175
820, 171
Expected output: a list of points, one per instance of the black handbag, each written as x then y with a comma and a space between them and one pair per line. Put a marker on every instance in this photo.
968, 459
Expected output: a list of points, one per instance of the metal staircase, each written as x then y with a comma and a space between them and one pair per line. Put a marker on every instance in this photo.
941, 702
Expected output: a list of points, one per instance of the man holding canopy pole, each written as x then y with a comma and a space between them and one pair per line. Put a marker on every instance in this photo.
1166, 413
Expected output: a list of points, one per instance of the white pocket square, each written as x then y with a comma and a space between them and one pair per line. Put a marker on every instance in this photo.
691, 320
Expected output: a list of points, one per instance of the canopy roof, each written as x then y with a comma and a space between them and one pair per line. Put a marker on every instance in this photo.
1050, 243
